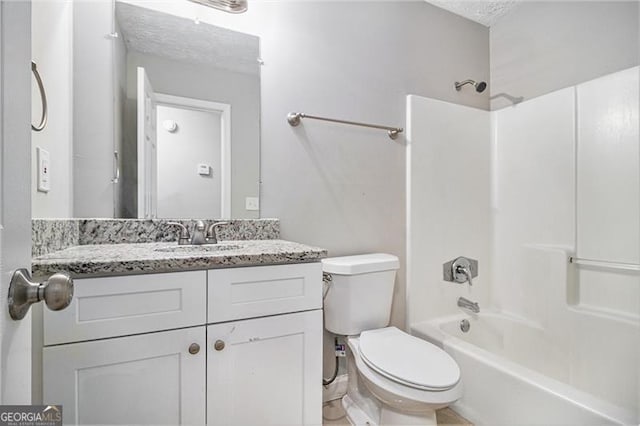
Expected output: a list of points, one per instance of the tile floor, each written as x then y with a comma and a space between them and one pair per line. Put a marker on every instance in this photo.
333, 414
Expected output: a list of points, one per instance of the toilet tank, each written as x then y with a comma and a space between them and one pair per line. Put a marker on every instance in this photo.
360, 292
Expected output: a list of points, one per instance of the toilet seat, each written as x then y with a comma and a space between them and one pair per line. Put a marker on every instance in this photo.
408, 360
391, 391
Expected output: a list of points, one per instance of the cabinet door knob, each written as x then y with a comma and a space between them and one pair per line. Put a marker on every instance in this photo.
194, 348
218, 345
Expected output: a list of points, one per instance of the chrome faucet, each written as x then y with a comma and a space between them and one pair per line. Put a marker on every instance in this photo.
469, 305
199, 237
202, 234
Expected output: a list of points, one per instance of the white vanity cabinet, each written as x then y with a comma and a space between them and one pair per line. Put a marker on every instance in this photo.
265, 371
147, 379
233, 346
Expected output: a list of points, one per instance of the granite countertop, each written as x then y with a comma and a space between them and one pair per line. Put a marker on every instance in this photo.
139, 258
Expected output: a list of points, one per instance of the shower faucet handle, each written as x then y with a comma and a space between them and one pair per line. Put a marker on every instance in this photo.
460, 270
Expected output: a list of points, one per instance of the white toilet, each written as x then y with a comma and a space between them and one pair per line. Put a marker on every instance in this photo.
394, 378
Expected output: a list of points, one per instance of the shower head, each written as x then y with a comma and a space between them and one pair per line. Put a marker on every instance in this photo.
231, 6
480, 85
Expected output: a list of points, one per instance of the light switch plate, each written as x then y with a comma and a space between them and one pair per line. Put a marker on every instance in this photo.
44, 166
204, 170
252, 203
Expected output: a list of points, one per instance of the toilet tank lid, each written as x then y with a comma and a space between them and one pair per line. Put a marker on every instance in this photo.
360, 264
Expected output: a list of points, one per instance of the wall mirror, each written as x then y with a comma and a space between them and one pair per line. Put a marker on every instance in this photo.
163, 112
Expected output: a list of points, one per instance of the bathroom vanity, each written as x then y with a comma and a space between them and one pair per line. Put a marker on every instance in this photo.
164, 334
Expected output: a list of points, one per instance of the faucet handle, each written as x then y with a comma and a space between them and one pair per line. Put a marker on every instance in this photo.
211, 232
460, 270
183, 238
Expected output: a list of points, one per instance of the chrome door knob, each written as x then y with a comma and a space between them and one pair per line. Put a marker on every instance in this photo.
218, 345
57, 292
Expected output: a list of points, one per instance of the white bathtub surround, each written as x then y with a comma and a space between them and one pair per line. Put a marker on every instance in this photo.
533, 198
448, 182
507, 381
608, 188
564, 182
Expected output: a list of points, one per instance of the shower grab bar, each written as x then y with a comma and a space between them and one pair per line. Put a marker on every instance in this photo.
294, 120
43, 96
605, 264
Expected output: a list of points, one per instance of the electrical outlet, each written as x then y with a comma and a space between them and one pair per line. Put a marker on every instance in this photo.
252, 203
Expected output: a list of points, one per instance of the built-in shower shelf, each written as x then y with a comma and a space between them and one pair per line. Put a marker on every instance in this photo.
605, 264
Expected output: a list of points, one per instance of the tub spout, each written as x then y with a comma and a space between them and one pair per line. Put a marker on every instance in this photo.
469, 305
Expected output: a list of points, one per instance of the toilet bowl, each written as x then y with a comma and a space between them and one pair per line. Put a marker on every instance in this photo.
393, 378
407, 377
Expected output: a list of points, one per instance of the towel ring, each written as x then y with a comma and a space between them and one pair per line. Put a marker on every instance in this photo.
43, 97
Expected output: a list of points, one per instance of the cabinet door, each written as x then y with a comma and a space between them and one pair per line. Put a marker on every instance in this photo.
150, 379
268, 373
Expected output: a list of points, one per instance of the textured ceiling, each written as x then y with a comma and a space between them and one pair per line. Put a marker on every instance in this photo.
486, 13
155, 33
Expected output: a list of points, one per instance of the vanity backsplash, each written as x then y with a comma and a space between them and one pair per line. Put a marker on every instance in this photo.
50, 235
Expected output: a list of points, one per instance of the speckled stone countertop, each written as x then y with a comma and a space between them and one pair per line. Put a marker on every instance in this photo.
140, 258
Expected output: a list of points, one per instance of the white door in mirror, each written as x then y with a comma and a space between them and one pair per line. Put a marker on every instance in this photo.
44, 183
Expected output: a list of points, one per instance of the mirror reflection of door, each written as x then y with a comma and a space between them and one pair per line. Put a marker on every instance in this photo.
189, 162
183, 155
147, 147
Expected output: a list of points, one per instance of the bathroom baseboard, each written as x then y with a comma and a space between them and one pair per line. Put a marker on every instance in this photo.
335, 390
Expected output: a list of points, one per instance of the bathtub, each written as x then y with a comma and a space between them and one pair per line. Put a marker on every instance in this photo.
514, 372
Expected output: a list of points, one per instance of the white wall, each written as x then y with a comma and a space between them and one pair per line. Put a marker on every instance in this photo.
93, 110
241, 91
52, 50
543, 46
448, 211
343, 187
182, 192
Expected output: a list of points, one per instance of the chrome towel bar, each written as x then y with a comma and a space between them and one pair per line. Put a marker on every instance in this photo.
43, 96
604, 264
294, 119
